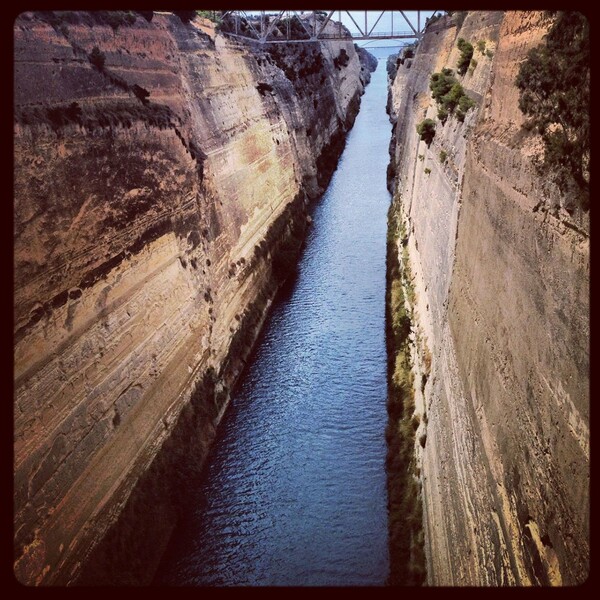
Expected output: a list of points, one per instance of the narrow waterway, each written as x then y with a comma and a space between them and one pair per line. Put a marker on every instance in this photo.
295, 490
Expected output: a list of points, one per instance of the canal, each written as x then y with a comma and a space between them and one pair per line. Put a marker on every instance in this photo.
295, 489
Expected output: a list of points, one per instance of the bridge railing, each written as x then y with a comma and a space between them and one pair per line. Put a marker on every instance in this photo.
374, 34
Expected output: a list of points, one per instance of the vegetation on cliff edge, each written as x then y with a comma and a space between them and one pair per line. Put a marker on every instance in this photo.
554, 84
426, 130
466, 54
59, 19
406, 543
449, 95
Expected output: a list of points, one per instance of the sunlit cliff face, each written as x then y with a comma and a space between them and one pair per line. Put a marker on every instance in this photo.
155, 180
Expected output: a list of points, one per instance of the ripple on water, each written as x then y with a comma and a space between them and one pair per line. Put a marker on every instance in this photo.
295, 490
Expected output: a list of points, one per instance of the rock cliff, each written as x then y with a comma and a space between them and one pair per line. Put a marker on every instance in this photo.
499, 278
162, 177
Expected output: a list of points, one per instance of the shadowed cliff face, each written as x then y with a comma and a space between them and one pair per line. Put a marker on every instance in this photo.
154, 192
500, 273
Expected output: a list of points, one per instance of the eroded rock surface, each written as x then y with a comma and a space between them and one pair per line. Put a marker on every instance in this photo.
162, 176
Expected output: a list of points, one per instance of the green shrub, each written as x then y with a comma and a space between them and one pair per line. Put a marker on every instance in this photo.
443, 156
474, 64
97, 58
554, 84
341, 60
426, 130
427, 170
421, 157
140, 93
113, 113
405, 518
489, 54
440, 83
466, 53
449, 95
465, 103
481, 46
452, 98
211, 15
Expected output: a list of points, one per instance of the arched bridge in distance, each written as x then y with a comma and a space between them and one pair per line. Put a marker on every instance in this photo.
290, 26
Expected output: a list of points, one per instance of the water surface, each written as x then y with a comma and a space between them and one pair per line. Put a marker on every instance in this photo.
295, 489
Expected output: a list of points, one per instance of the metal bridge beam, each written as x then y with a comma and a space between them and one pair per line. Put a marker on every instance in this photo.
316, 32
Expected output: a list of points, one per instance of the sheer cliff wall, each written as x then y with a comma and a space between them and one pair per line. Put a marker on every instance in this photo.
162, 178
500, 272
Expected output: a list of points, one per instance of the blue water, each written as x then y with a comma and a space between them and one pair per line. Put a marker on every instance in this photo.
295, 490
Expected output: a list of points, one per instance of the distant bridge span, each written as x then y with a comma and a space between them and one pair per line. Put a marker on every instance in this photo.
277, 28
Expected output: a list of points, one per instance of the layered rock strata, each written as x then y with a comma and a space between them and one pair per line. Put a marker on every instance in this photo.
162, 178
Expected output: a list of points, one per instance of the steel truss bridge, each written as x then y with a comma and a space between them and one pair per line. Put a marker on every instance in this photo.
261, 28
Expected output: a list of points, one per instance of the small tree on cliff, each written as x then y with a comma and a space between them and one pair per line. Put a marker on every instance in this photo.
450, 96
426, 130
555, 94
466, 54
97, 58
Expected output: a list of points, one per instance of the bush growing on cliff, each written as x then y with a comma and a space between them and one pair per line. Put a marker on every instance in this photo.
97, 58
449, 95
452, 98
554, 84
407, 559
466, 54
426, 130
140, 93
441, 83
464, 104
409, 51
481, 46
211, 15
115, 113
296, 29
341, 60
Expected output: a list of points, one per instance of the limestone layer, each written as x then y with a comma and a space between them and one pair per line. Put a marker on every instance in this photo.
162, 176
501, 277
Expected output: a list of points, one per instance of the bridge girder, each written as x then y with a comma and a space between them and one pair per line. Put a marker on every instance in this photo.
316, 26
